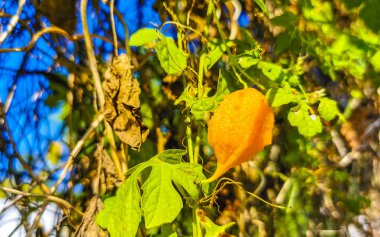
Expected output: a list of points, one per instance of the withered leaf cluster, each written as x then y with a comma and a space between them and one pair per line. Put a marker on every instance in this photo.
122, 102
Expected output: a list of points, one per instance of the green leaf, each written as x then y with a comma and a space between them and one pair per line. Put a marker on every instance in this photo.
167, 231
143, 36
213, 230
262, 6
308, 125
200, 106
281, 96
272, 71
375, 61
122, 213
172, 59
161, 203
370, 15
247, 61
186, 174
172, 156
286, 20
217, 48
328, 109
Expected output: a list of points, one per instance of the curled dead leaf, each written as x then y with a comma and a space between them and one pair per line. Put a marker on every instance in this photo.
122, 102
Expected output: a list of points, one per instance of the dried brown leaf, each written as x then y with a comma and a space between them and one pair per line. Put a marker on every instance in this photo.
88, 226
122, 102
111, 179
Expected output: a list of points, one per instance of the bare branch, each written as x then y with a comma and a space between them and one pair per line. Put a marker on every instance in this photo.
75, 152
54, 199
13, 22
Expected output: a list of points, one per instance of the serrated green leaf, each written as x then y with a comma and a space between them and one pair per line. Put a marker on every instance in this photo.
271, 70
122, 214
307, 124
262, 6
172, 59
161, 203
143, 36
328, 109
187, 175
281, 96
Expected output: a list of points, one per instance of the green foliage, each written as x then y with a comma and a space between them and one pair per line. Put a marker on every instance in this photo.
172, 59
328, 109
281, 96
308, 124
200, 106
122, 213
160, 201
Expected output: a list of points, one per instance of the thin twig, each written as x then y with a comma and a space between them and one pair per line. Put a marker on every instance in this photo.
98, 86
15, 150
13, 22
54, 199
55, 30
23, 23
75, 152
126, 32
37, 219
9, 99
114, 36
91, 54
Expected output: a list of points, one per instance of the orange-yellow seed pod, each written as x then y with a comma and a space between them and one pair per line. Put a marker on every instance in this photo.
241, 126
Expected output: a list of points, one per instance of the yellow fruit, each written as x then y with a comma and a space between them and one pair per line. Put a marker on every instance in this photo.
240, 127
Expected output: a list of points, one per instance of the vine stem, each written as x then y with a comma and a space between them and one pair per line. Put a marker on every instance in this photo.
189, 140
75, 152
197, 144
114, 36
91, 55
200, 76
98, 87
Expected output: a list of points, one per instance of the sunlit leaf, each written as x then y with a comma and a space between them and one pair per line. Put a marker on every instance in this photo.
161, 202
143, 36
217, 48
262, 6
281, 96
271, 70
375, 61
122, 213
328, 109
200, 106
308, 124
213, 230
172, 59
247, 61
